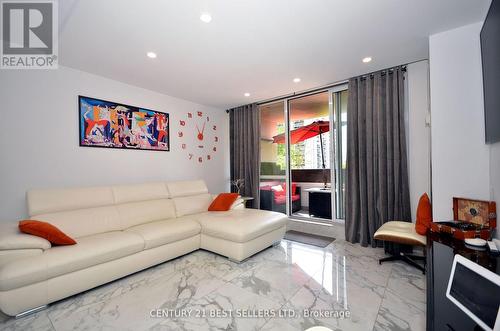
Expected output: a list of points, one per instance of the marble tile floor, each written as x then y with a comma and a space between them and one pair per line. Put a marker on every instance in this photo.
287, 287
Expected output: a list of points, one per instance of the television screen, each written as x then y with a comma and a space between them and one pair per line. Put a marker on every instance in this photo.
490, 49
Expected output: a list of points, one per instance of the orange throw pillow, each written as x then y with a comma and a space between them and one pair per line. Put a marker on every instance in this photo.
223, 202
46, 231
424, 215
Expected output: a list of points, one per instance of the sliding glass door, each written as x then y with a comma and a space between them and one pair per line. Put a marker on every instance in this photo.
303, 155
339, 103
273, 157
310, 156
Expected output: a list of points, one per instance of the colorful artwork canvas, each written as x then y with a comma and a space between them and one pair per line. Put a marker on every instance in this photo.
114, 125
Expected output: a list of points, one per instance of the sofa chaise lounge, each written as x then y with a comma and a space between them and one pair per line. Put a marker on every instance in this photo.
120, 230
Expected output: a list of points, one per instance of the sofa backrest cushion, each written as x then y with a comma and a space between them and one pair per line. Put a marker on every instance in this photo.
136, 213
80, 212
84, 222
56, 200
140, 192
193, 204
186, 188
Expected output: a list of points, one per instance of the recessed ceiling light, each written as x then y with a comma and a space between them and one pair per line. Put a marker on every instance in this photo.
296, 80
246, 94
151, 55
367, 59
206, 17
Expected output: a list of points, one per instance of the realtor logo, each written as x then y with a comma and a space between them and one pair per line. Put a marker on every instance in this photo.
29, 35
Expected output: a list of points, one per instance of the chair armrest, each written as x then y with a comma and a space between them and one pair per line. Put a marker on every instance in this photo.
13, 239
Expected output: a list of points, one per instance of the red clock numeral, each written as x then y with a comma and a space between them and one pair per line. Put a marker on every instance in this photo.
183, 123
216, 139
215, 149
215, 127
183, 146
190, 156
181, 134
190, 115
200, 114
200, 159
209, 157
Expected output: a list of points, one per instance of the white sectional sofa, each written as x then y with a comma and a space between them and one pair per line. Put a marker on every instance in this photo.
120, 230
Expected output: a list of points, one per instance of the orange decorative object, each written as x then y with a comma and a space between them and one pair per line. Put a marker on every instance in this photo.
424, 215
47, 231
223, 202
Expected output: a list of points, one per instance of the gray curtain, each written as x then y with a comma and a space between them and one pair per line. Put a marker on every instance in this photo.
377, 175
244, 132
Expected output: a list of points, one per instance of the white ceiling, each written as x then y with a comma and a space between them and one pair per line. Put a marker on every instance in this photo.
255, 46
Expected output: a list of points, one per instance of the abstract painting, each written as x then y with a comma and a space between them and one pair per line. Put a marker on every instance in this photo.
114, 125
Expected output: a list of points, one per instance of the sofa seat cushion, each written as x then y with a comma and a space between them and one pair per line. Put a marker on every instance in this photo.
240, 225
400, 232
56, 261
163, 232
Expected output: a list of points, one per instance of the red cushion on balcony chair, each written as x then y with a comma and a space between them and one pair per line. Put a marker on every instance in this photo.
281, 199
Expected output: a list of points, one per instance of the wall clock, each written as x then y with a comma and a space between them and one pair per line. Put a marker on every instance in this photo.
198, 136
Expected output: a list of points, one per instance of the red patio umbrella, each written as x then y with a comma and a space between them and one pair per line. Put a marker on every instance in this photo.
304, 132
307, 132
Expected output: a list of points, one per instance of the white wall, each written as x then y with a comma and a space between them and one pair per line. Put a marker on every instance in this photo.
460, 157
418, 132
39, 138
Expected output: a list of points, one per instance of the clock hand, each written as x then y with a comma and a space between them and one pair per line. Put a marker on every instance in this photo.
200, 133
203, 130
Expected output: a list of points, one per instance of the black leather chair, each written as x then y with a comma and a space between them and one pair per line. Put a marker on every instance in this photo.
268, 201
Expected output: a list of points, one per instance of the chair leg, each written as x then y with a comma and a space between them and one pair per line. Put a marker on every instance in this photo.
410, 259
31, 311
416, 257
389, 258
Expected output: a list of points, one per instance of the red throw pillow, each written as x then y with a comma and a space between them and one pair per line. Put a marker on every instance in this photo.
46, 231
223, 202
424, 215
278, 190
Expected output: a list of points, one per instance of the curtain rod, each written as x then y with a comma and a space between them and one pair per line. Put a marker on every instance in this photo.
330, 85
383, 72
324, 87
295, 94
